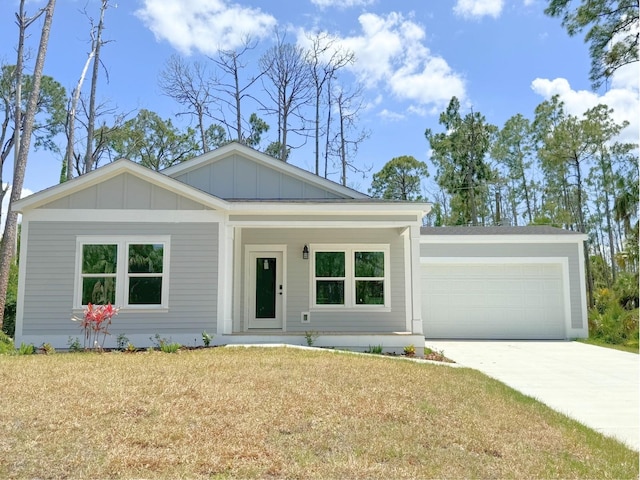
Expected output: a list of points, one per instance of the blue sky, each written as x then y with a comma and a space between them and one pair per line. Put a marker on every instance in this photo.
500, 57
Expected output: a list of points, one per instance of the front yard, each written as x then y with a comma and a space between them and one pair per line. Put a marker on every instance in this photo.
281, 413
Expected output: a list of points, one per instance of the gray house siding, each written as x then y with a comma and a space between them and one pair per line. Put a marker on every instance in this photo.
298, 279
236, 177
568, 250
125, 191
50, 273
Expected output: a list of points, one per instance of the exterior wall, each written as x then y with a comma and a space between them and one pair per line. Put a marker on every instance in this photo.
124, 191
236, 177
50, 271
298, 278
567, 250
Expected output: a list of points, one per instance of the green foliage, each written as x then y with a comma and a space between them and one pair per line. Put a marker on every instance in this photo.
153, 142
612, 32
26, 349
615, 325
409, 350
399, 179
131, 348
9, 324
47, 349
459, 156
376, 349
164, 345
51, 111
6, 344
626, 288
74, 345
170, 347
206, 339
311, 337
122, 342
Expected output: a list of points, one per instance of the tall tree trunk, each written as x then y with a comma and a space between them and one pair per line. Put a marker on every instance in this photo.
88, 154
6, 251
71, 116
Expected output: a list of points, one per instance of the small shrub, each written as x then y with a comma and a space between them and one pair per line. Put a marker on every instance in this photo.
376, 350
170, 347
6, 344
206, 339
311, 337
626, 289
409, 350
131, 348
26, 349
47, 349
122, 341
74, 345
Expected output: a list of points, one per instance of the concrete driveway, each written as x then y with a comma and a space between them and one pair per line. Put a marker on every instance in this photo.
594, 385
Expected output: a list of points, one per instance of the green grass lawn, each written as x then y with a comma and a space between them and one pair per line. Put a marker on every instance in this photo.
600, 343
282, 413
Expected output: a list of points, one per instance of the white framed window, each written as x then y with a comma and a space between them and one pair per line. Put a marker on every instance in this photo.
128, 272
350, 276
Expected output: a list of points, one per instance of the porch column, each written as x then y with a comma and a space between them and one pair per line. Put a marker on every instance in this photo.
416, 288
225, 279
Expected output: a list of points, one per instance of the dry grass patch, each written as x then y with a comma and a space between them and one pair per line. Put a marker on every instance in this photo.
281, 413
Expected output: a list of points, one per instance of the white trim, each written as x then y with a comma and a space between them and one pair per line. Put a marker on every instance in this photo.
121, 275
350, 279
137, 216
260, 249
109, 171
322, 207
237, 281
22, 274
315, 224
408, 279
416, 283
260, 158
525, 238
562, 261
583, 289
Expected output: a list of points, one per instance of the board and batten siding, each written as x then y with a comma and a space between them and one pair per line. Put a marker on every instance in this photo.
122, 192
236, 177
50, 273
298, 277
515, 250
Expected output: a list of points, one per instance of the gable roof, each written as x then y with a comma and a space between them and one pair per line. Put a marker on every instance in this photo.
265, 160
109, 171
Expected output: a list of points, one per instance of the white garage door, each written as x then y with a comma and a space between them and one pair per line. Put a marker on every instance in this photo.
493, 301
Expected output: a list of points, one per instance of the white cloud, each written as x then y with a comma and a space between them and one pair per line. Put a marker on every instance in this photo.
623, 98
391, 116
342, 3
478, 8
390, 54
204, 25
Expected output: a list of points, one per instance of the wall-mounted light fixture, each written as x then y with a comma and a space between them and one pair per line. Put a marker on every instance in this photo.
305, 253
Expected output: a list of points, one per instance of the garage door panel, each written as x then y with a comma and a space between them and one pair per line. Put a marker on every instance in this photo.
502, 301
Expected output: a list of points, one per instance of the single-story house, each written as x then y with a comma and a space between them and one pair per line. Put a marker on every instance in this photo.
253, 250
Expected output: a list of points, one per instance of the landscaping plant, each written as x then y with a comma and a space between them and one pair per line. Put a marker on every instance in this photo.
95, 323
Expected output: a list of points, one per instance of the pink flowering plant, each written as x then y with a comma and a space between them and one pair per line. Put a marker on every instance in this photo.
95, 322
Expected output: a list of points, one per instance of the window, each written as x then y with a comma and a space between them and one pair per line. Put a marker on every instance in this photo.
350, 276
124, 272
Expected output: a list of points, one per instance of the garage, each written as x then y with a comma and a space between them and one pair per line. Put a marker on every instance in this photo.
506, 283
493, 300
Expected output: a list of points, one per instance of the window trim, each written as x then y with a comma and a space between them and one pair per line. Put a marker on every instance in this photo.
122, 274
350, 278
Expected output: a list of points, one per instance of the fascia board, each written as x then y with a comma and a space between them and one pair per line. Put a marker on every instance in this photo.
524, 238
420, 209
109, 171
262, 158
